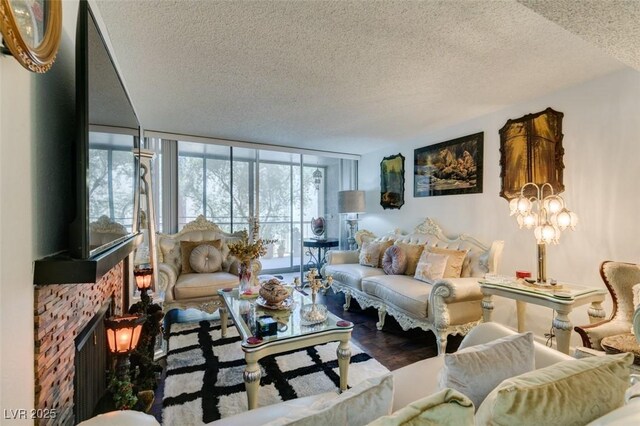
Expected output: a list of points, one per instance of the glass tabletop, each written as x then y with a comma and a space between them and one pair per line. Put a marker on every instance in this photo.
561, 290
245, 313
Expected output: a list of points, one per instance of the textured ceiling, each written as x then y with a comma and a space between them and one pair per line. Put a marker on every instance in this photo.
338, 76
613, 25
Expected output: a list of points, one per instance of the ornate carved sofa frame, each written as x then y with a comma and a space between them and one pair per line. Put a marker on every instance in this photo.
196, 290
449, 306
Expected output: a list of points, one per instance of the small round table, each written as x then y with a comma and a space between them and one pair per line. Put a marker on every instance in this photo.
322, 246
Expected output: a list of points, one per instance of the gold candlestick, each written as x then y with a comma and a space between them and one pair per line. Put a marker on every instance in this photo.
316, 313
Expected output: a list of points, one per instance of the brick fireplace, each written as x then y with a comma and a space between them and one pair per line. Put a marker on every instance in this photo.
60, 314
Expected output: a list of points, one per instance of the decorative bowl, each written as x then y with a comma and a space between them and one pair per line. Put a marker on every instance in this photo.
273, 292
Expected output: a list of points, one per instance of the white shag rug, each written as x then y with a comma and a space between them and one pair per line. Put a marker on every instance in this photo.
204, 374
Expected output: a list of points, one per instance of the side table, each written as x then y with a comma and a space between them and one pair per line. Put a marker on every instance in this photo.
562, 301
318, 259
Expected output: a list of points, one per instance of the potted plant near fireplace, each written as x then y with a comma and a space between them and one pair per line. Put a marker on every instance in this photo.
144, 369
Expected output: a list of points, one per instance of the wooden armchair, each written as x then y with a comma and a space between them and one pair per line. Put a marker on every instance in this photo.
623, 282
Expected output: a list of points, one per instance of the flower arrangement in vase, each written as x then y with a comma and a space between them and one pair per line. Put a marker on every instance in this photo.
249, 248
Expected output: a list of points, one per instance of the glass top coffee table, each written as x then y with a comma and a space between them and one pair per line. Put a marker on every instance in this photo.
291, 334
561, 298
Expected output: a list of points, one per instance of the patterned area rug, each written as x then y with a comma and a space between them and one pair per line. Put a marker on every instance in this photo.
204, 374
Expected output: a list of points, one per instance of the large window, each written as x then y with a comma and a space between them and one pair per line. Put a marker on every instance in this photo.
230, 184
204, 183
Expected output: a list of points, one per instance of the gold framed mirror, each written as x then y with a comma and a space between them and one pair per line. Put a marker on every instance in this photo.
31, 30
531, 151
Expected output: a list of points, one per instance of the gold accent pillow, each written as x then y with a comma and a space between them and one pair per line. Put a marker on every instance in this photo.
454, 262
413, 253
186, 247
431, 267
573, 392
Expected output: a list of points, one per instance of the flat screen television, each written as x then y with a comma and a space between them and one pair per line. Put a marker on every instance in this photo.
108, 136
107, 173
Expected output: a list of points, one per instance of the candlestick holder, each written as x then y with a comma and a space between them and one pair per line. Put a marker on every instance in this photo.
315, 313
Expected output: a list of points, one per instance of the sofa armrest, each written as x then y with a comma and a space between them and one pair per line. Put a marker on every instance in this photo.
454, 290
451, 291
593, 334
336, 257
168, 275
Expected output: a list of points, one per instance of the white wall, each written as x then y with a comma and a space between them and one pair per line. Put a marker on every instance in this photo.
602, 174
36, 138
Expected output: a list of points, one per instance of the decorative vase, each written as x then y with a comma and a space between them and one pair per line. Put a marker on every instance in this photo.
245, 276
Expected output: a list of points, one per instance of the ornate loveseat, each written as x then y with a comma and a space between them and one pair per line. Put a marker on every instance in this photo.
448, 306
197, 290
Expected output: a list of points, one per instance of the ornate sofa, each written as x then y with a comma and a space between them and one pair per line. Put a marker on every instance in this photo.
197, 290
449, 306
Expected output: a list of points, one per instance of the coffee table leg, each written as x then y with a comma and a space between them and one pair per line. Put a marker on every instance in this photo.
344, 357
563, 328
487, 308
252, 375
224, 317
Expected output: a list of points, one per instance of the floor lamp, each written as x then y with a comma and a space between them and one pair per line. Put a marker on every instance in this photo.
351, 203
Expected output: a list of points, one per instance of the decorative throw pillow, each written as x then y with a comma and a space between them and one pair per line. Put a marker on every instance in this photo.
205, 258
573, 392
186, 247
445, 408
370, 254
394, 261
477, 370
384, 245
412, 252
454, 262
431, 267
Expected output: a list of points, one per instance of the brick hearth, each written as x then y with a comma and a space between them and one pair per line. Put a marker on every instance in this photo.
61, 312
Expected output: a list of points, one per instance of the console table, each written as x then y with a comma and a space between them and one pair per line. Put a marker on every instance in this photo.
562, 300
322, 246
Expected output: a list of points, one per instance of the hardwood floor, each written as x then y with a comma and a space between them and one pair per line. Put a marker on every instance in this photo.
392, 347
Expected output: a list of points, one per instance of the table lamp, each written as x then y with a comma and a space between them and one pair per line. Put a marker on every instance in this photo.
547, 215
351, 203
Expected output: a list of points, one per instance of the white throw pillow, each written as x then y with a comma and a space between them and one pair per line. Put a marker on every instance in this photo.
431, 267
573, 392
205, 259
477, 370
360, 405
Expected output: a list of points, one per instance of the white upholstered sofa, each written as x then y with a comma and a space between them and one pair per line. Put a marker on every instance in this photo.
197, 290
378, 397
411, 383
449, 306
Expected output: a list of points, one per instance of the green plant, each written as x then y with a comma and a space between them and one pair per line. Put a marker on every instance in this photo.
121, 390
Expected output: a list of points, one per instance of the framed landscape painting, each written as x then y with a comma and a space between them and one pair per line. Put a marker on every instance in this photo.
392, 182
451, 167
